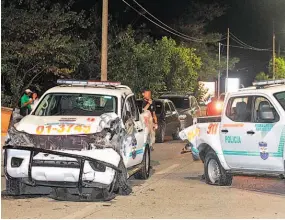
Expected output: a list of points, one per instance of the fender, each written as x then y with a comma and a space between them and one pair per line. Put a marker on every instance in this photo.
204, 137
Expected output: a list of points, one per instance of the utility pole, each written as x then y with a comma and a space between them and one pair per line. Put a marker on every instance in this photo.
228, 55
279, 49
273, 57
219, 76
104, 51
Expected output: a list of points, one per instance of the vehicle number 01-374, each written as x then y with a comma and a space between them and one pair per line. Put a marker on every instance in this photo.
63, 128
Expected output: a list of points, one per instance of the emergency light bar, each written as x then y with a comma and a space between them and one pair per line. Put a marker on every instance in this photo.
86, 82
269, 82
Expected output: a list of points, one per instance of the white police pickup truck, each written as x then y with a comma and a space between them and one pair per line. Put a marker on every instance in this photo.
82, 135
248, 138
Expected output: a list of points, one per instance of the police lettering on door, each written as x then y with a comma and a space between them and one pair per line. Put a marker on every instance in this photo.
233, 139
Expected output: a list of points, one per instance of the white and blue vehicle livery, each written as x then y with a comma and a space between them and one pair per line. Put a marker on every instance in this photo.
248, 138
81, 134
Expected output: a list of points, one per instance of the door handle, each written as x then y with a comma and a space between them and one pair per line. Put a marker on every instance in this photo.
224, 131
250, 132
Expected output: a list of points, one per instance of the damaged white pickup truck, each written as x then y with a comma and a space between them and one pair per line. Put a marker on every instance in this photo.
248, 138
82, 135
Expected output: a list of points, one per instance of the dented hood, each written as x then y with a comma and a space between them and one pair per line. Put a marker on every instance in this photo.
64, 125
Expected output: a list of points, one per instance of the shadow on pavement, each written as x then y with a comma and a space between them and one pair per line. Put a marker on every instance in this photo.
267, 185
5, 196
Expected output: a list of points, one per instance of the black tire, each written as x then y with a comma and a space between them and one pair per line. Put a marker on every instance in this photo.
219, 177
121, 186
160, 134
175, 136
13, 187
144, 172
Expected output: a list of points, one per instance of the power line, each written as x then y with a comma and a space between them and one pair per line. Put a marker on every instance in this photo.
196, 39
237, 40
186, 38
246, 48
176, 34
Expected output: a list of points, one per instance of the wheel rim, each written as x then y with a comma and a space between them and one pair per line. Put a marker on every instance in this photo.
147, 161
213, 171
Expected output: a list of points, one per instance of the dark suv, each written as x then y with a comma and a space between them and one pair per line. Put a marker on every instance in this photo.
168, 119
186, 105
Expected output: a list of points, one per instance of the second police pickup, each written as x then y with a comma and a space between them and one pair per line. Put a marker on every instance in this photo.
248, 138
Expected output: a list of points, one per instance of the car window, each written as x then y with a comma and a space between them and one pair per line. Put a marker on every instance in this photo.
158, 107
167, 108
172, 108
179, 102
132, 108
239, 109
258, 103
139, 105
280, 96
73, 104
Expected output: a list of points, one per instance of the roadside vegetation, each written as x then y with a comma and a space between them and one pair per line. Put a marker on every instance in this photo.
43, 41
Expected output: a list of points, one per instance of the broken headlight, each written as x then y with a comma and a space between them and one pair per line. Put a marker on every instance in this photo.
97, 166
17, 138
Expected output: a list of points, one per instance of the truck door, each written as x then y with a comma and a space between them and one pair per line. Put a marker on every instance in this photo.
268, 138
175, 118
237, 132
168, 119
133, 152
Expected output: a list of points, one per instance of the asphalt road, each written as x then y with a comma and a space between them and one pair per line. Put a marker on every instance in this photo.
174, 190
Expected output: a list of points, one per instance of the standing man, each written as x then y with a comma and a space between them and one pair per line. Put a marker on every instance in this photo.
26, 102
149, 105
35, 100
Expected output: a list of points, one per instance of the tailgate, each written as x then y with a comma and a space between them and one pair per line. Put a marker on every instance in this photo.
203, 133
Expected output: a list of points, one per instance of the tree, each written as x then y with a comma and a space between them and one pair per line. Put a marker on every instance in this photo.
38, 43
195, 22
160, 65
262, 76
180, 65
279, 67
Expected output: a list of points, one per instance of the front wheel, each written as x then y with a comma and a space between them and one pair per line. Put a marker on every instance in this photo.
144, 172
160, 134
175, 136
215, 174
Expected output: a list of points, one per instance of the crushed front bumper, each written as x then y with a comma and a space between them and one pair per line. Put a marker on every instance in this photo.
69, 168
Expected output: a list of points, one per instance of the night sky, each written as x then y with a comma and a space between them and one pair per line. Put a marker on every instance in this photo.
249, 20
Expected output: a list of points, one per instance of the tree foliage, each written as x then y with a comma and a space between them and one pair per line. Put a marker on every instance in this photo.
262, 76
38, 43
279, 68
43, 40
194, 22
160, 65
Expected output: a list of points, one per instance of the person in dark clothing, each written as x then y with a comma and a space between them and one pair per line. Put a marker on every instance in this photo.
148, 104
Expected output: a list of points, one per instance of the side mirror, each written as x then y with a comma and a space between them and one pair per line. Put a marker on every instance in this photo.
267, 115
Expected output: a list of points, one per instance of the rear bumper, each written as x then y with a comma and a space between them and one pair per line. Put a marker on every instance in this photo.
66, 171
